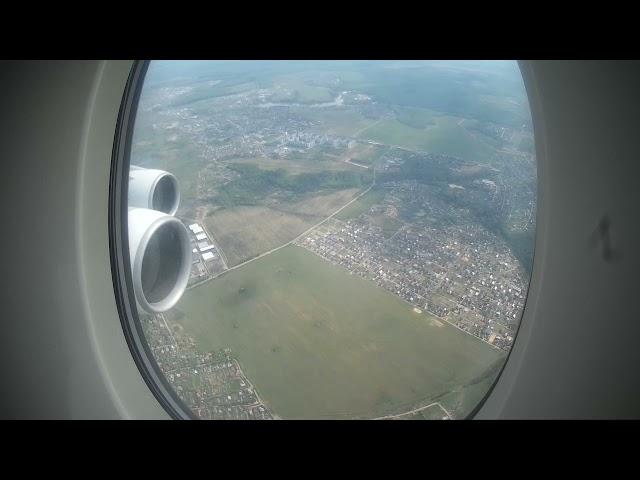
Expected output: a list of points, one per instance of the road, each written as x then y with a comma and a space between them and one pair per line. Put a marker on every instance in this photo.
416, 410
306, 232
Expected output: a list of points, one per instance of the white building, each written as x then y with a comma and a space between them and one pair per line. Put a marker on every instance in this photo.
195, 228
204, 246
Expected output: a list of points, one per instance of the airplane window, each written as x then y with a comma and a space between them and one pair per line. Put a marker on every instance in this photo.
331, 239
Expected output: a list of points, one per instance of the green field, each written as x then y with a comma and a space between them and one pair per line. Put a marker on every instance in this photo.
295, 165
291, 88
318, 342
362, 205
445, 136
247, 231
335, 122
416, 117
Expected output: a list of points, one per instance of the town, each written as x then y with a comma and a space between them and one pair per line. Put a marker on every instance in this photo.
461, 273
212, 384
450, 236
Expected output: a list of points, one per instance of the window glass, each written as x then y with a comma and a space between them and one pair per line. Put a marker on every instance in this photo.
331, 239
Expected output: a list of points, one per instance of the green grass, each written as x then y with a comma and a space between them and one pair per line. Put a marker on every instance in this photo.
202, 93
415, 117
461, 401
320, 343
295, 164
362, 205
254, 184
299, 91
368, 155
343, 122
446, 137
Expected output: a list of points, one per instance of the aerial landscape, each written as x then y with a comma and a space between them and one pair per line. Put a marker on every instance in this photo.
362, 233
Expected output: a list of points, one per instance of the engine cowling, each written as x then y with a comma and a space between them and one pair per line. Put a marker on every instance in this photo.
153, 189
160, 255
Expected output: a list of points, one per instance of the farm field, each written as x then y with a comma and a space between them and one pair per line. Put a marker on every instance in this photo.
318, 342
345, 123
362, 205
244, 232
444, 137
296, 165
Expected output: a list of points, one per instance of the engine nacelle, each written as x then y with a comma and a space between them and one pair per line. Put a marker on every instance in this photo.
153, 189
160, 254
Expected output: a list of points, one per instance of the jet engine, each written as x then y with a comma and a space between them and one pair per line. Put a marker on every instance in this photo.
154, 189
159, 246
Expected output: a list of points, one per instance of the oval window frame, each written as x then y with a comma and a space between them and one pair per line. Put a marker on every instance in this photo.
119, 248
